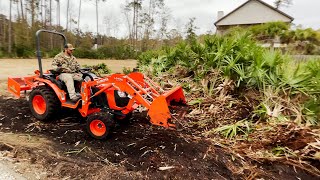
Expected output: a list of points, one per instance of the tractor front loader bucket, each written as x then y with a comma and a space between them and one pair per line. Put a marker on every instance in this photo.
145, 92
159, 112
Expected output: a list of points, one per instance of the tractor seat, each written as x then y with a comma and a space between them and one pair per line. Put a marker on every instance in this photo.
52, 76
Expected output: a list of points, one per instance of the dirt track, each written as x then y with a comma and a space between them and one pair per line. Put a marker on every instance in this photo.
62, 150
24, 67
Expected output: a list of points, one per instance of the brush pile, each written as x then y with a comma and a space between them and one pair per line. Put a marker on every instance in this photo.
258, 104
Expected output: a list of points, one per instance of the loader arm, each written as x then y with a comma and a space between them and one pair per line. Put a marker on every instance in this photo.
143, 91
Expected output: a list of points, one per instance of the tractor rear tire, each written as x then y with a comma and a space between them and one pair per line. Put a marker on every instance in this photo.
99, 125
44, 103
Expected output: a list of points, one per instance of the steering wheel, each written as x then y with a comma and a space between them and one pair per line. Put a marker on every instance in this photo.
85, 70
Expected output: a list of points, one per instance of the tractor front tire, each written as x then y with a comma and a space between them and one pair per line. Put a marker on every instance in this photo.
43, 103
99, 125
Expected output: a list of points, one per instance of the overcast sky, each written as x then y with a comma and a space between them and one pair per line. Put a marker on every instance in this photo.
305, 12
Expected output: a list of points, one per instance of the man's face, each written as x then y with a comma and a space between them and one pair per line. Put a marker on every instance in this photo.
69, 51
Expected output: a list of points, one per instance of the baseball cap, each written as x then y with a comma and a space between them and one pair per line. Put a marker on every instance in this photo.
69, 46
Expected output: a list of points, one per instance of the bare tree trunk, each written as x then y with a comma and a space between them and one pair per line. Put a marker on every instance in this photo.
18, 11
147, 34
50, 13
21, 5
45, 14
58, 12
134, 24
41, 12
18, 21
97, 20
137, 21
4, 31
9, 30
129, 25
79, 17
32, 12
50, 22
26, 11
67, 16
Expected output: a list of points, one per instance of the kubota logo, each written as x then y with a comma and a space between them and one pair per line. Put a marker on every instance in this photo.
102, 81
118, 79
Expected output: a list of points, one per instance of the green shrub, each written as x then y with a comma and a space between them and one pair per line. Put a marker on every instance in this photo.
52, 53
126, 70
145, 57
85, 53
99, 69
24, 51
269, 30
1, 54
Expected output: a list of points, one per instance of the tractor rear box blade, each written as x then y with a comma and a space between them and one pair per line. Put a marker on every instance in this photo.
18, 84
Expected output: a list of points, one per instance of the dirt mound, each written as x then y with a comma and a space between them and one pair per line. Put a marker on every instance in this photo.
136, 151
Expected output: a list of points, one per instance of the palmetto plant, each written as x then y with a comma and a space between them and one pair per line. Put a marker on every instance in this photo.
238, 59
264, 69
239, 128
282, 151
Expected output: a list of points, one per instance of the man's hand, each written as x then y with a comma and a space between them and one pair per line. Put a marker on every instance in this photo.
63, 70
66, 70
58, 70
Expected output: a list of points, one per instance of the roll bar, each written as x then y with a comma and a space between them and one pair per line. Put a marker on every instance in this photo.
38, 45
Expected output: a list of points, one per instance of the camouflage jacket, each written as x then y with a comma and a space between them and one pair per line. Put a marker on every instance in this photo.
69, 64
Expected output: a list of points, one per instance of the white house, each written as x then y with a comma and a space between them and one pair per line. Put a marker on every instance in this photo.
251, 12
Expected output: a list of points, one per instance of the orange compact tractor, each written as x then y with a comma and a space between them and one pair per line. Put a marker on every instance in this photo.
103, 100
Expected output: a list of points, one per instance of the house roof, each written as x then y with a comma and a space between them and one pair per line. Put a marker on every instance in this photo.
260, 1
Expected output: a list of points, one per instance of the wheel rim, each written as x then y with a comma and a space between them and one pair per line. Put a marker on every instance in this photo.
39, 104
98, 128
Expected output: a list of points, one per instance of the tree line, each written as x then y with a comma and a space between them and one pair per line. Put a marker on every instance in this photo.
146, 24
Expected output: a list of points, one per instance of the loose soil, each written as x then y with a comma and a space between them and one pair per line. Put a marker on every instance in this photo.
136, 151
61, 149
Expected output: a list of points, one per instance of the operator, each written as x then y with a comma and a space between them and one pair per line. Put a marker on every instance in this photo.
67, 64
